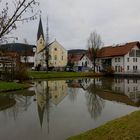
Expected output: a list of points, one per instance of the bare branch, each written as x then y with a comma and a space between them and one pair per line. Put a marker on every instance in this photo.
8, 23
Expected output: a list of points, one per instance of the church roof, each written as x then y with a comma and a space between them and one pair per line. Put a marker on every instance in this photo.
40, 30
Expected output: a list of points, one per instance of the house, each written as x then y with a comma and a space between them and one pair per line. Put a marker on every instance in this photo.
81, 62
57, 54
24, 51
123, 59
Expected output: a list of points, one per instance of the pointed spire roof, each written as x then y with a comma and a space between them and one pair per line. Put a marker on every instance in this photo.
40, 30
41, 114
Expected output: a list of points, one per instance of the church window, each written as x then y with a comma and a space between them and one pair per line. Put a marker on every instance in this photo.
55, 49
55, 57
49, 57
41, 41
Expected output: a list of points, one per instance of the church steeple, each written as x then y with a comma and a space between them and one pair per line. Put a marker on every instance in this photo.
40, 30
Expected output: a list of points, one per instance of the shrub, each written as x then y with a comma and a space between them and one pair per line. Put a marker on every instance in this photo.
21, 72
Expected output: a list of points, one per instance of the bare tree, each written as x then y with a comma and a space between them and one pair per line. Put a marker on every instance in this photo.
10, 17
94, 43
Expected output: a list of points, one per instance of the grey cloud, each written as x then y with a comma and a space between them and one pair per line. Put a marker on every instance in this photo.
71, 21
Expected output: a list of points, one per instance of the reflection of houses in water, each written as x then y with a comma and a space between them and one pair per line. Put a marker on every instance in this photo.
130, 87
48, 92
84, 83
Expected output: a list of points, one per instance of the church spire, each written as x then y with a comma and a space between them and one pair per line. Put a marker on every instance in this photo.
40, 30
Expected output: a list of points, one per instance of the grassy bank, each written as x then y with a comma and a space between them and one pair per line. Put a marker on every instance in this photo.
11, 86
45, 75
124, 128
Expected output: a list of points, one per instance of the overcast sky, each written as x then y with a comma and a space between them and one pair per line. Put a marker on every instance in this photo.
71, 21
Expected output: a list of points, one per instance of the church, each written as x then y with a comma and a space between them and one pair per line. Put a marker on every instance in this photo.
53, 55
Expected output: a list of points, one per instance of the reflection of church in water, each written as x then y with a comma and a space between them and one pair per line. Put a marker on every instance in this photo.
49, 93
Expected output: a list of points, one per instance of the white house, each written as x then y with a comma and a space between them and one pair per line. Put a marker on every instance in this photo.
124, 59
81, 62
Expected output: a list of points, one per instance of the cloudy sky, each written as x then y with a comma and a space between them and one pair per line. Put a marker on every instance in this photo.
71, 21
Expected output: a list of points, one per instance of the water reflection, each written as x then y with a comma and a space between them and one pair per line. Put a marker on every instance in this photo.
49, 93
55, 103
95, 103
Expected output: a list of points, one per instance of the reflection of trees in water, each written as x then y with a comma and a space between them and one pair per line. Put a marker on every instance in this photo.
21, 105
95, 104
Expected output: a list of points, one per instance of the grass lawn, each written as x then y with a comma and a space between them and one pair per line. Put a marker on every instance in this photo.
124, 128
45, 75
11, 86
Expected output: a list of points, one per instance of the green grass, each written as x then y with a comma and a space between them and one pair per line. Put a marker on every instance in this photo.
11, 86
124, 128
46, 75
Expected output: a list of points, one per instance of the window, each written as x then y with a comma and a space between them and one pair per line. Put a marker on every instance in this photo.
137, 53
41, 41
116, 68
49, 57
127, 81
119, 68
55, 49
127, 67
62, 57
118, 59
134, 59
115, 59
127, 59
135, 68
132, 53
55, 57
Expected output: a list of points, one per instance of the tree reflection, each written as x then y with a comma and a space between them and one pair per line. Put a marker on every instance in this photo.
95, 104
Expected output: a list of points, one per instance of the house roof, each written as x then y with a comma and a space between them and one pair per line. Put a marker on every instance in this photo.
18, 48
40, 30
118, 50
74, 57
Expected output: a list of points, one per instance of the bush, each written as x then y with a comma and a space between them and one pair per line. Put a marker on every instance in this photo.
21, 72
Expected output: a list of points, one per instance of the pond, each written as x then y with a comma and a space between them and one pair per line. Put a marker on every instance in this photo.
57, 109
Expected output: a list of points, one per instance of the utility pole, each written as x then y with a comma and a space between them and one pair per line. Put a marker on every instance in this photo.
47, 45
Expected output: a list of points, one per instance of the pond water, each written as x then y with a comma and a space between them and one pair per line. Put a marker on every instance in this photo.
57, 109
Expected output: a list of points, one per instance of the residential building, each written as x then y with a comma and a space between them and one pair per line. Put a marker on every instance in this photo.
23, 51
81, 62
123, 59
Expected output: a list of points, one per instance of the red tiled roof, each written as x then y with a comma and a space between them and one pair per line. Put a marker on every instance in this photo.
75, 57
119, 50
